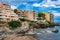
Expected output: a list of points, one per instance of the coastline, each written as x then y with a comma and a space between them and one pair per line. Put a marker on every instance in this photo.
19, 37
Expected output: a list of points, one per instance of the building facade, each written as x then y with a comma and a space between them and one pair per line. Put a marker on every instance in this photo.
6, 14
48, 16
30, 15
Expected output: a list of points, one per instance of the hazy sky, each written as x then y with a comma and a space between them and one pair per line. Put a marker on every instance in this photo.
52, 6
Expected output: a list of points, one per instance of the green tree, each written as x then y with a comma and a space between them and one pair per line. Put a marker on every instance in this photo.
41, 16
33, 24
23, 19
14, 24
15, 10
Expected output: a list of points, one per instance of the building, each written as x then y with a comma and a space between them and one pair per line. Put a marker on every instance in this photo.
52, 17
48, 16
30, 15
13, 16
6, 13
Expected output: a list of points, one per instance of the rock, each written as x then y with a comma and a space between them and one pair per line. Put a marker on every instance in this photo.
17, 37
3, 32
55, 31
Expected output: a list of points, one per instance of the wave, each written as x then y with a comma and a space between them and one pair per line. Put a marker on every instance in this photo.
49, 32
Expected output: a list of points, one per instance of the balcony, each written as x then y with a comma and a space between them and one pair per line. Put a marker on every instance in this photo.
2, 19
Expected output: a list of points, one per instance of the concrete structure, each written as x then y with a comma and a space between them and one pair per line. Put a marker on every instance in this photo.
48, 16
30, 15
6, 14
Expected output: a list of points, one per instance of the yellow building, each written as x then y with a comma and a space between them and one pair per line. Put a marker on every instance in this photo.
48, 16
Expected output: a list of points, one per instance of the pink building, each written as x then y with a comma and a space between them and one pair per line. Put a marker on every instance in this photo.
6, 14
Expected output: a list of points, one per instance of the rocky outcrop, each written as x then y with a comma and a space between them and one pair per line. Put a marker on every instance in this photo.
7, 34
18, 37
55, 31
4, 31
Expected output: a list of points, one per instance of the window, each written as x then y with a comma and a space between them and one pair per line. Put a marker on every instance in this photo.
7, 9
19, 12
22, 12
8, 19
0, 15
0, 12
4, 4
12, 16
6, 15
1, 18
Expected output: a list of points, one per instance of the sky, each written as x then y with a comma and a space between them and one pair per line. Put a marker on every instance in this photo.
52, 6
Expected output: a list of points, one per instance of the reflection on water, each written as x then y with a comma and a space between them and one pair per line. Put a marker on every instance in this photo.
47, 34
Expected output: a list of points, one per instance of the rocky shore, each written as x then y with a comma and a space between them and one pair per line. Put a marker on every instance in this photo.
6, 34
18, 37
13, 36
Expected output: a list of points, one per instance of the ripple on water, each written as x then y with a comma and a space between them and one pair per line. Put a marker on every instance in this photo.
48, 35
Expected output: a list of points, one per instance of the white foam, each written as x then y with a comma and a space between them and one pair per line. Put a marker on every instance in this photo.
38, 33
49, 32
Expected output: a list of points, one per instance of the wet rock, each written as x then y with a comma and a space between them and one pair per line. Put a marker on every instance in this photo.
55, 31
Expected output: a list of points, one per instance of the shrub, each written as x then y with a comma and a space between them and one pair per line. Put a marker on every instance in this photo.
14, 24
22, 19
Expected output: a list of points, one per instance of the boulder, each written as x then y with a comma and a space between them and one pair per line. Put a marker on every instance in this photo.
55, 31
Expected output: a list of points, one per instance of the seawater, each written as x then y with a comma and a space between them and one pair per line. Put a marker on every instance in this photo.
47, 34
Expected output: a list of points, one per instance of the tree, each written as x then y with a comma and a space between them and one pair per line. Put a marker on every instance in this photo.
33, 24
41, 16
15, 10
23, 19
14, 24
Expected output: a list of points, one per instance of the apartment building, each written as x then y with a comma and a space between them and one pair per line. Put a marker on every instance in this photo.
13, 16
6, 14
27, 14
48, 16
32, 15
